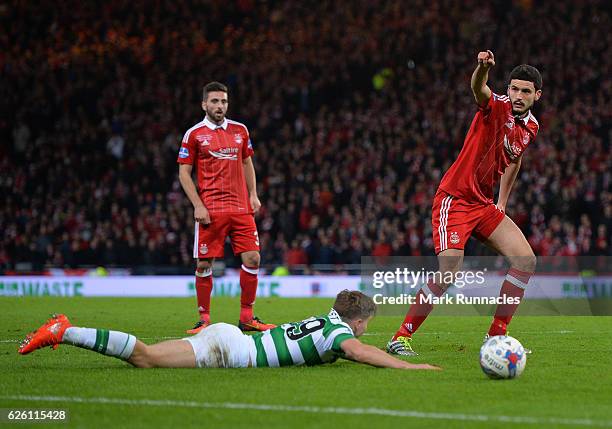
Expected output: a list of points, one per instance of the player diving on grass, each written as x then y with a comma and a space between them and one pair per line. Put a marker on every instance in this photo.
463, 206
313, 341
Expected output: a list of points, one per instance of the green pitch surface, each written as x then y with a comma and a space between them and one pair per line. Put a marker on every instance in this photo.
567, 382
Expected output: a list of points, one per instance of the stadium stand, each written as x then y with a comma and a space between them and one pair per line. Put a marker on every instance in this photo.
355, 110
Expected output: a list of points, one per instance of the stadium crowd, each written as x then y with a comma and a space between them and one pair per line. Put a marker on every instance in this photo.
355, 110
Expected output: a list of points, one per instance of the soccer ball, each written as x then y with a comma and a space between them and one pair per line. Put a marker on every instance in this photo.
502, 357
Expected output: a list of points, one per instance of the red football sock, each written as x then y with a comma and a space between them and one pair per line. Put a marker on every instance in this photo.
203, 285
418, 312
513, 287
248, 285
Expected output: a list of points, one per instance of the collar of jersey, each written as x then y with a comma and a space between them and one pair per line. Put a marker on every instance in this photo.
334, 314
525, 120
213, 127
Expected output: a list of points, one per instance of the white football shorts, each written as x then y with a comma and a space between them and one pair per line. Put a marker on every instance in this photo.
222, 345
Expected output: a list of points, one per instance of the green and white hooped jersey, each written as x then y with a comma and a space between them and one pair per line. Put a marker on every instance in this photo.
312, 341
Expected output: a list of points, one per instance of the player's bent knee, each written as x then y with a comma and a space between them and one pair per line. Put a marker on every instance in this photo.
251, 259
525, 263
142, 358
531, 262
204, 264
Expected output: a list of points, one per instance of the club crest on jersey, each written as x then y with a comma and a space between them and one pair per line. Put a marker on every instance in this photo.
526, 139
238, 138
204, 139
203, 249
454, 237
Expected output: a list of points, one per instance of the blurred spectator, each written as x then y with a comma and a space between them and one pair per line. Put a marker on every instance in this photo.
115, 146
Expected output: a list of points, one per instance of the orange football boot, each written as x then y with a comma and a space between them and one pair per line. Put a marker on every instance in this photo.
201, 325
49, 334
255, 324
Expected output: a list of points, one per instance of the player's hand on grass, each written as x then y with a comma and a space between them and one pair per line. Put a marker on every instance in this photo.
255, 203
486, 59
200, 214
424, 366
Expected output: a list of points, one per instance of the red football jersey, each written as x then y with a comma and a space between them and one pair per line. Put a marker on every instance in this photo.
217, 152
495, 139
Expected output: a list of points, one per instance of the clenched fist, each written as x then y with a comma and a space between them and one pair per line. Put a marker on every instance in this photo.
486, 59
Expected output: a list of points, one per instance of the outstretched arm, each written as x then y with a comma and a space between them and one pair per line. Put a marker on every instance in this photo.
359, 352
506, 183
482, 93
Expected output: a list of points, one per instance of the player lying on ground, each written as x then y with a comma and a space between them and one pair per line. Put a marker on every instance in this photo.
313, 341
463, 206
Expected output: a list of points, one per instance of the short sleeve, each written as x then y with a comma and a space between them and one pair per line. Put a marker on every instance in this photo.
496, 106
247, 145
187, 151
337, 344
335, 334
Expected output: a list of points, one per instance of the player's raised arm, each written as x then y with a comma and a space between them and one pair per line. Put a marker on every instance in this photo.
482, 93
357, 351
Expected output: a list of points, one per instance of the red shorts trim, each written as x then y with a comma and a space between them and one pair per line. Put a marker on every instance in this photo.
209, 240
454, 220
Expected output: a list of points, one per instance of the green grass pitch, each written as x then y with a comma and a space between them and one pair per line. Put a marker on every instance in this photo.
567, 382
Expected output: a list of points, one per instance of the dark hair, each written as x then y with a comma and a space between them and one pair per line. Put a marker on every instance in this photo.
528, 73
211, 87
352, 304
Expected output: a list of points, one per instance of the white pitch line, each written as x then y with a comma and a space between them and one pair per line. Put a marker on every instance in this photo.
315, 410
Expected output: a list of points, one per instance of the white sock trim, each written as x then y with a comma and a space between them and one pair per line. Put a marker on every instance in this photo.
128, 348
426, 290
516, 282
250, 270
206, 273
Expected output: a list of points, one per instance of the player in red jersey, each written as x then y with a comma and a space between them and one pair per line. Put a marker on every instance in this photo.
224, 202
463, 206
